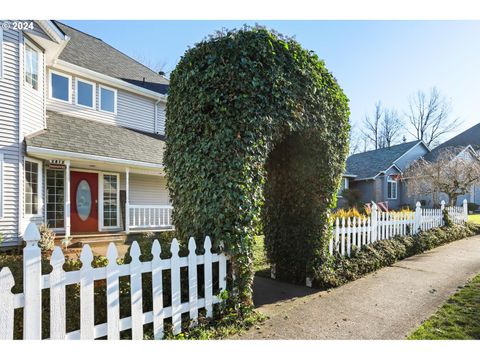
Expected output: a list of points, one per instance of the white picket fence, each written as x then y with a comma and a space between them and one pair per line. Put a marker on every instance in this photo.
358, 232
31, 298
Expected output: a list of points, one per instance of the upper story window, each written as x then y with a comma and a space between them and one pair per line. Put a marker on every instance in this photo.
108, 99
60, 86
31, 66
85, 93
391, 188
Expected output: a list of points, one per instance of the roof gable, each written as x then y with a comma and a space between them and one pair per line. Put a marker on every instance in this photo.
89, 52
370, 163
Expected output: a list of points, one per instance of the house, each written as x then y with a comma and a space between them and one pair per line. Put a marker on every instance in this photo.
467, 143
377, 173
81, 135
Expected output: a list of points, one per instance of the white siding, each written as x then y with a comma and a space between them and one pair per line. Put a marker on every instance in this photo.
161, 117
9, 138
33, 101
148, 190
133, 111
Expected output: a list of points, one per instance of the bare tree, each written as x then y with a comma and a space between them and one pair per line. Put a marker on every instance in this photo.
429, 116
451, 173
391, 128
358, 142
159, 66
372, 128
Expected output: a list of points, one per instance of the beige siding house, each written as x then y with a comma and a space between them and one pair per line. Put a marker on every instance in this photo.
81, 140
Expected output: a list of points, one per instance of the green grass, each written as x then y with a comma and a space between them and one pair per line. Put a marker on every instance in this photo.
475, 218
260, 262
458, 318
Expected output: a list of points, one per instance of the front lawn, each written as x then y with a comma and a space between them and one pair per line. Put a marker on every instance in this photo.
260, 262
457, 318
474, 218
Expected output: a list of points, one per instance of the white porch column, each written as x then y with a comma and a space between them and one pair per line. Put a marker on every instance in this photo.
127, 200
67, 199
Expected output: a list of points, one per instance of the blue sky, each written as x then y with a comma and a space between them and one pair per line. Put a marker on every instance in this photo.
372, 60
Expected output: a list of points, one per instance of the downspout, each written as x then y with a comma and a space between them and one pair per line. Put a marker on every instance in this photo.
155, 127
20, 138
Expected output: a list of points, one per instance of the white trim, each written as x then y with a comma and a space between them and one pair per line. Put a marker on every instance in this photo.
39, 189
31, 45
1, 53
111, 81
94, 93
50, 87
391, 181
34, 150
51, 29
101, 225
115, 94
1, 184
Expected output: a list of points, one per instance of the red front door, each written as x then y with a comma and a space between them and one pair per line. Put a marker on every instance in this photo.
84, 201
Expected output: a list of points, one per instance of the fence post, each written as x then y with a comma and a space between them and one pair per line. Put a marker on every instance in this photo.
32, 284
373, 223
417, 220
465, 210
442, 209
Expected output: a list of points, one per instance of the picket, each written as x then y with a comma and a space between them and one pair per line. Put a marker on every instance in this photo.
192, 282
157, 291
87, 321
57, 296
208, 276
176, 288
113, 294
6, 304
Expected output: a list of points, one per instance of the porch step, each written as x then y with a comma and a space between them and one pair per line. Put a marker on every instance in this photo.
78, 240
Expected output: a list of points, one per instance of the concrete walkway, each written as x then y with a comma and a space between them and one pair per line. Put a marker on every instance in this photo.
387, 304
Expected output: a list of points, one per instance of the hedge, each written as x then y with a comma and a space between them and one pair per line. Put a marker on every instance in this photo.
339, 270
257, 127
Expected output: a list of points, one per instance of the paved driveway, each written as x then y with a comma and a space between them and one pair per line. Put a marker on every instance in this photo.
387, 304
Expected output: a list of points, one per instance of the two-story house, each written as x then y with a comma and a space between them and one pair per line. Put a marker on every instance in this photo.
81, 129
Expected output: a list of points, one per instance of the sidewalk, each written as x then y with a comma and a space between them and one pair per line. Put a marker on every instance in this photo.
387, 304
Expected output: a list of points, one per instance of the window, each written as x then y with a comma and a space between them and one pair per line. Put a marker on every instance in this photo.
31, 186
85, 93
59, 86
55, 198
31, 66
391, 188
1, 185
108, 100
110, 200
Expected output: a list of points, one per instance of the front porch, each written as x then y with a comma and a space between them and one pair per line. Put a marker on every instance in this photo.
98, 178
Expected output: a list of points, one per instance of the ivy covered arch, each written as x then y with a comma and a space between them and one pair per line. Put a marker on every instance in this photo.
257, 129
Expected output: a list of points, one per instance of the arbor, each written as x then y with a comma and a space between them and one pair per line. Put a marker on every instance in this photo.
256, 127
429, 116
452, 172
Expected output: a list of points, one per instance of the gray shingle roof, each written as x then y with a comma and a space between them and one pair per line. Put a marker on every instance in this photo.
458, 143
370, 163
92, 53
73, 134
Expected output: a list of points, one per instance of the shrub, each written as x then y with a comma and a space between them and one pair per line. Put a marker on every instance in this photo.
340, 270
472, 206
47, 238
353, 197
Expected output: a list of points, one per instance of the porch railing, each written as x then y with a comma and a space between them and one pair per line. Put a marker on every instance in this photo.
149, 217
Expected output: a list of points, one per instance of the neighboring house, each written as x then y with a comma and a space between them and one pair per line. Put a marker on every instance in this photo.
377, 173
81, 129
466, 143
